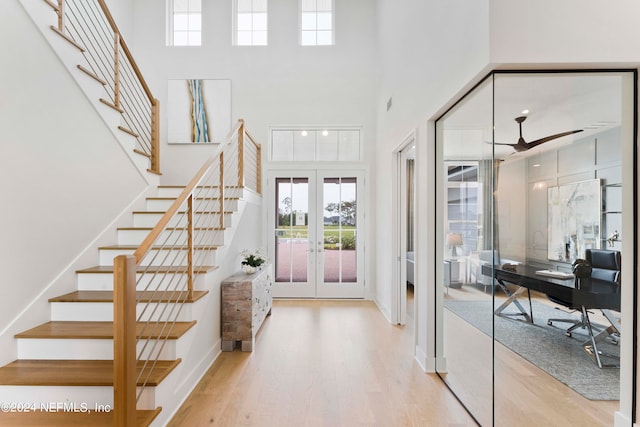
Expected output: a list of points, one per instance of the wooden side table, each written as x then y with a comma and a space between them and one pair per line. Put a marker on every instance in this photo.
246, 302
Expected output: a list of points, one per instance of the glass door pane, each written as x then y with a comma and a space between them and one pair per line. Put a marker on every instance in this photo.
316, 245
464, 248
292, 216
339, 230
339, 249
558, 200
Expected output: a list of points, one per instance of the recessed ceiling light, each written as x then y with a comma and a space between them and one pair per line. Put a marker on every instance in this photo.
525, 112
303, 133
537, 165
325, 132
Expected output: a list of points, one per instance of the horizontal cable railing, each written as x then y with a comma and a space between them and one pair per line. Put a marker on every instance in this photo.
166, 264
89, 24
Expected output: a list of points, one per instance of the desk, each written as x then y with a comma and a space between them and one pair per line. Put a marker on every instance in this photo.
602, 295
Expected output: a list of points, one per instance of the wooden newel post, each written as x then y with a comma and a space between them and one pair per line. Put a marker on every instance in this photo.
241, 154
124, 341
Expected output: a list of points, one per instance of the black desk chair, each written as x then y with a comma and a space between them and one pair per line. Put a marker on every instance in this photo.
582, 271
598, 276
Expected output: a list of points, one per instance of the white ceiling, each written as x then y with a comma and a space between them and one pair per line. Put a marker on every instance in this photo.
556, 103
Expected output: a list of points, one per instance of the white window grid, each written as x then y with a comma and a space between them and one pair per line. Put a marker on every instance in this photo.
250, 23
311, 144
184, 22
316, 23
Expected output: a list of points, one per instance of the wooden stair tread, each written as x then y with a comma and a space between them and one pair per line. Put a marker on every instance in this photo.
141, 296
171, 247
104, 330
91, 373
107, 269
71, 419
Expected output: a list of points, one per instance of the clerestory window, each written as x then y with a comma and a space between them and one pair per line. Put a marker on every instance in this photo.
250, 23
184, 22
316, 22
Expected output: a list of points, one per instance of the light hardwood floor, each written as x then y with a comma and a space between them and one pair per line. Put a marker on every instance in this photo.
323, 363
525, 394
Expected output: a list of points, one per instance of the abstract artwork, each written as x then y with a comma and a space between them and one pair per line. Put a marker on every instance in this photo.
198, 110
573, 219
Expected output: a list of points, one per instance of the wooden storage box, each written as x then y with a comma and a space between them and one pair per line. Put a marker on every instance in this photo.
246, 302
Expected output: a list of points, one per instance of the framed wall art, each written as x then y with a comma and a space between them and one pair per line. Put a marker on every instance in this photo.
198, 111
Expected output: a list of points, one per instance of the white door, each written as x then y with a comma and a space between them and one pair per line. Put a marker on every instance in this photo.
316, 244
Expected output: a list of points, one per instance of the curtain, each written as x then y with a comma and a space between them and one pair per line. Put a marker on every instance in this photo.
488, 171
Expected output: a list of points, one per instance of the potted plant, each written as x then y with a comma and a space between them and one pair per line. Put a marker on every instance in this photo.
252, 261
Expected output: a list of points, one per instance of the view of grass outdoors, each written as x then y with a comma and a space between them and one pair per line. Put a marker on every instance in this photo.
338, 231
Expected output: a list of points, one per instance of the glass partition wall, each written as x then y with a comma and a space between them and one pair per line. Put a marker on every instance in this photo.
536, 191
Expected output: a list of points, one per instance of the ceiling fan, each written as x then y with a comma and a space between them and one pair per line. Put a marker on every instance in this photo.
523, 145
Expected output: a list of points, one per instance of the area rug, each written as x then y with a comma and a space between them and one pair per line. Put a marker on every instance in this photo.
546, 346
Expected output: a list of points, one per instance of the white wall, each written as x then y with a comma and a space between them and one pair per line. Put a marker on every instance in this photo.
122, 12
570, 31
64, 176
282, 83
428, 52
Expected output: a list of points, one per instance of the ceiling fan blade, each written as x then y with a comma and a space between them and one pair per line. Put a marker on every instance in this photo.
551, 137
501, 143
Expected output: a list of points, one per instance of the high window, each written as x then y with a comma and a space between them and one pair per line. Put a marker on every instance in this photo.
316, 22
184, 22
250, 22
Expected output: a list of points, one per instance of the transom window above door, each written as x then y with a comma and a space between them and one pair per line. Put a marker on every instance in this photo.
315, 144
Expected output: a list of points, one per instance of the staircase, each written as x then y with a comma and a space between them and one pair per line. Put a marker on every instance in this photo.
64, 371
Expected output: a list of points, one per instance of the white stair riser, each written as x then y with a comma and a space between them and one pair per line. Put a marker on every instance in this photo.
209, 192
163, 205
94, 349
172, 237
53, 397
150, 219
160, 257
104, 281
103, 311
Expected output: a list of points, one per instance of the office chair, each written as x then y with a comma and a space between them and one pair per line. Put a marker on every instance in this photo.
598, 275
582, 270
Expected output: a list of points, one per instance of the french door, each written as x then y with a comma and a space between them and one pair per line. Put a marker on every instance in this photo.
315, 238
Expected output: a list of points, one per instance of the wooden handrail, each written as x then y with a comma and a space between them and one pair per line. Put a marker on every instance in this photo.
251, 138
126, 50
146, 244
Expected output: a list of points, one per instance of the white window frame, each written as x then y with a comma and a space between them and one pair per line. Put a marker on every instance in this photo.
301, 31
253, 40
313, 152
170, 26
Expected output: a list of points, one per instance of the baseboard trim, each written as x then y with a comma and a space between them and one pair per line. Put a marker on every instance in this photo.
622, 420
383, 310
191, 380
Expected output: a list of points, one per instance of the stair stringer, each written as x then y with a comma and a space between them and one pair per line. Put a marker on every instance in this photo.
204, 341
38, 310
43, 17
